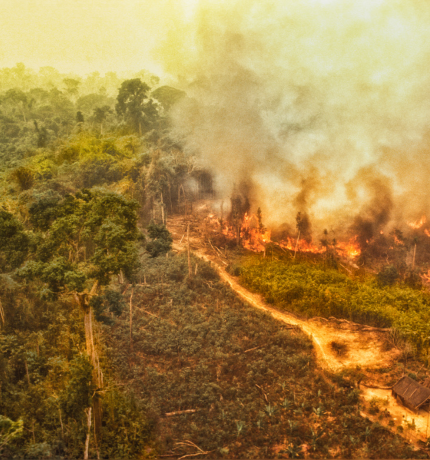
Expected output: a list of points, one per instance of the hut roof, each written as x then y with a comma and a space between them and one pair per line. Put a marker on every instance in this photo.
413, 393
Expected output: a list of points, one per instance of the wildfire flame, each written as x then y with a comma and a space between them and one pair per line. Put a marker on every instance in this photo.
418, 224
399, 242
302, 245
426, 277
255, 238
351, 248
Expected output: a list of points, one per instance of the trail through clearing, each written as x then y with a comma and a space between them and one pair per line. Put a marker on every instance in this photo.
364, 348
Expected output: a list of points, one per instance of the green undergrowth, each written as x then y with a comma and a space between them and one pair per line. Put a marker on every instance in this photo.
251, 382
314, 290
46, 390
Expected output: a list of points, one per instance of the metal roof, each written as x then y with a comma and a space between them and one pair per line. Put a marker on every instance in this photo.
412, 392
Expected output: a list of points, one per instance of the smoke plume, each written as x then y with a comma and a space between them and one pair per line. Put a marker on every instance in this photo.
323, 106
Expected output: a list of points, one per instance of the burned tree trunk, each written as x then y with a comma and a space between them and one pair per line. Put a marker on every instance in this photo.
190, 270
239, 207
87, 439
131, 320
82, 300
297, 244
162, 209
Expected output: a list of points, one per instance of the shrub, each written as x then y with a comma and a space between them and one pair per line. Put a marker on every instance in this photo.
24, 177
9, 431
314, 290
161, 240
388, 275
250, 381
340, 348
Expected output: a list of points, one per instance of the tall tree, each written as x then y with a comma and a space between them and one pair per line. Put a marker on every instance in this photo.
14, 242
100, 114
17, 99
168, 96
88, 103
135, 105
72, 86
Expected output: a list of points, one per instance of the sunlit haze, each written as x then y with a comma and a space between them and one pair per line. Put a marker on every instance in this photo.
84, 36
313, 103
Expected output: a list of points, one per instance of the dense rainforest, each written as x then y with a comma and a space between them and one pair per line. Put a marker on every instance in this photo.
108, 348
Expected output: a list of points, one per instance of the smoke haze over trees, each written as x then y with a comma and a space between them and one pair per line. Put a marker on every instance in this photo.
318, 98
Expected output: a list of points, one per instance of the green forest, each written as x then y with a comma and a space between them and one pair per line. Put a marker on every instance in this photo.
109, 349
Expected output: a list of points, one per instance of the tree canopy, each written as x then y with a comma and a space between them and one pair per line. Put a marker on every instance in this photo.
81, 239
135, 105
161, 240
14, 242
168, 96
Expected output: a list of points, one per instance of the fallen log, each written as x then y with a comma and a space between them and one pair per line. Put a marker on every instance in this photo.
343, 266
262, 391
180, 412
362, 327
251, 349
148, 312
375, 387
215, 248
198, 453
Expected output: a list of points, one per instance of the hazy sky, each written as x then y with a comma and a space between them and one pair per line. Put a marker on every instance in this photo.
86, 35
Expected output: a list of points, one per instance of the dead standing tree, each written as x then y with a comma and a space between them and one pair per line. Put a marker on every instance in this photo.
190, 270
303, 229
83, 300
239, 207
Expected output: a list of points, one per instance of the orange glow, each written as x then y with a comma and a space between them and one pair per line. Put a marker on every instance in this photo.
397, 241
426, 277
302, 246
426, 232
251, 236
256, 239
349, 249
418, 223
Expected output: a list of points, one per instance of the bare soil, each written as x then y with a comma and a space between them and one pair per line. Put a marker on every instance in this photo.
415, 425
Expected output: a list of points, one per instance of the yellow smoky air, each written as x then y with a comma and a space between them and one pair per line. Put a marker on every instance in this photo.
308, 100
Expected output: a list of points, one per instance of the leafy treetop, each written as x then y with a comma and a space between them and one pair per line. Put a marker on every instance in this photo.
82, 239
14, 242
135, 105
161, 239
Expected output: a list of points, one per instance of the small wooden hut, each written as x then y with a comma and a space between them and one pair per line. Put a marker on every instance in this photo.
412, 394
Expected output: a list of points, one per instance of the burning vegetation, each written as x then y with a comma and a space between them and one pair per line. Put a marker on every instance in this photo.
370, 241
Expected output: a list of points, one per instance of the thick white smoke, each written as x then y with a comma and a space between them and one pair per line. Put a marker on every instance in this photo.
322, 106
